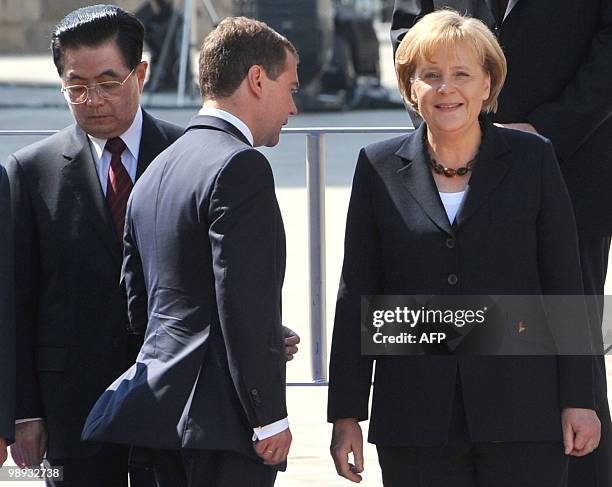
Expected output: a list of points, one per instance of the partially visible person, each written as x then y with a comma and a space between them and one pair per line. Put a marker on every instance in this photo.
7, 321
460, 207
69, 193
204, 265
558, 86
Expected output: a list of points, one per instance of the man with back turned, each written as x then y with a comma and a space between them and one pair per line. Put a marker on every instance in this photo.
204, 265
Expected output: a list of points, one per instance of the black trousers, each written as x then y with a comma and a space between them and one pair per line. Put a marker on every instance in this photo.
514, 464
209, 468
107, 468
462, 463
595, 470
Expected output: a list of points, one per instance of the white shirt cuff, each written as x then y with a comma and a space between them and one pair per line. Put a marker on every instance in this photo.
27, 420
263, 432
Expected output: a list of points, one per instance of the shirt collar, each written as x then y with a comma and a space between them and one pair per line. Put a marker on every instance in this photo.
228, 117
131, 138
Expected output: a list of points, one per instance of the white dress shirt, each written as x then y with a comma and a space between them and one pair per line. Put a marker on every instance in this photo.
129, 157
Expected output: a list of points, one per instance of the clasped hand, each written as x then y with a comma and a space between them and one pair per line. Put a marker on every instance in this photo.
581, 431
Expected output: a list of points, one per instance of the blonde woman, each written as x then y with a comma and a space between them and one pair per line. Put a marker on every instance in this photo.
460, 206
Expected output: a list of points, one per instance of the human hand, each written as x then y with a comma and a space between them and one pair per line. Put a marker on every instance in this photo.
291, 341
347, 438
581, 431
274, 450
30, 443
3, 453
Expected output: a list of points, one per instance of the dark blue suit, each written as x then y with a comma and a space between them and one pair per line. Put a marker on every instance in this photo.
204, 264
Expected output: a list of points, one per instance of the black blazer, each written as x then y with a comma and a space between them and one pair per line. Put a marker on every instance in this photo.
7, 318
513, 235
204, 265
71, 315
559, 73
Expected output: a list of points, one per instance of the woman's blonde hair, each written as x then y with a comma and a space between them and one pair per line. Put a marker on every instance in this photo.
446, 29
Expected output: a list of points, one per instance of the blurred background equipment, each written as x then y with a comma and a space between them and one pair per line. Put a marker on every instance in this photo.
336, 40
355, 66
163, 31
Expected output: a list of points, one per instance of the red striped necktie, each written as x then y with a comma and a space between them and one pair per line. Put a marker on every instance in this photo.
119, 185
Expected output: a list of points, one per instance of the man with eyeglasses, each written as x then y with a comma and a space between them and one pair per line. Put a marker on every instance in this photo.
69, 194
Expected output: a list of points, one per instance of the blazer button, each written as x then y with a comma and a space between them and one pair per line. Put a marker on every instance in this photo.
450, 243
452, 279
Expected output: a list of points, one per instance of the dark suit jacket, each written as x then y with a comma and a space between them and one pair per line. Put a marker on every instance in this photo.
559, 72
71, 315
7, 318
513, 235
204, 265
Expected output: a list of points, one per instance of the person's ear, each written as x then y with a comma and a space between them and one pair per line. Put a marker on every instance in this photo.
487, 88
255, 77
141, 73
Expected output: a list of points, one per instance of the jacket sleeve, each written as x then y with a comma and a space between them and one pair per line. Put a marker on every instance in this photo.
244, 226
132, 278
7, 318
350, 372
558, 243
585, 102
27, 277
405, 15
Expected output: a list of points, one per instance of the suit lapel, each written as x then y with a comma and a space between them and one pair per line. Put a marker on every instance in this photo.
152, 142
493, 10
81, 174
416, 177
215, 123
511, 5
487, 174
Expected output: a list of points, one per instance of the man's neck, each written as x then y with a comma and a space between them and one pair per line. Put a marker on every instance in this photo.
225, 105
233, 107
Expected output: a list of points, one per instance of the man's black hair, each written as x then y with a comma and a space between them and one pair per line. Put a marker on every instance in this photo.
97, 25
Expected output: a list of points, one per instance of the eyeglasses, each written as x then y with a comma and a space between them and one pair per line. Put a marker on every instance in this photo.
108, 90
